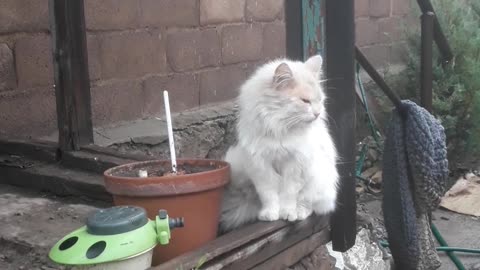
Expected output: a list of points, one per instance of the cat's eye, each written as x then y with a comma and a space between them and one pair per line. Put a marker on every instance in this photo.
305, 101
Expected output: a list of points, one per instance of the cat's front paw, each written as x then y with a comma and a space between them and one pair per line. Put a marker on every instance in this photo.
269, 214
288, 213
303, 212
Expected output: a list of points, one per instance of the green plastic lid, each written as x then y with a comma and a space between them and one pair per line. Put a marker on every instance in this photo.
116, 220
112, 234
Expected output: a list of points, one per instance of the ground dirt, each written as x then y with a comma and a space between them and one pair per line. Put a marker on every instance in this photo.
32, 222
458, 230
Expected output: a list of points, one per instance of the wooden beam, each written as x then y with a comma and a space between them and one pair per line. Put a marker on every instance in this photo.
72, 83
40, 150
340, 40
92, 162
251, 245
295, 253
55, 179
34, 165
313, 28
273, 244
223, 244
293, 21
95, 149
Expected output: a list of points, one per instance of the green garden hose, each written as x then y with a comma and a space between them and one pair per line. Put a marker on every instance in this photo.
443, 243
371, 124
461, 250
445, 249
361, 160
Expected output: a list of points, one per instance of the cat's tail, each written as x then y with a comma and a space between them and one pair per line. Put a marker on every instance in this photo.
240, 206
240, 201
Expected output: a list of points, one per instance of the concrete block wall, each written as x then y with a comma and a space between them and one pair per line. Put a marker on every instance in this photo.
27, 99
380, 28
199, 50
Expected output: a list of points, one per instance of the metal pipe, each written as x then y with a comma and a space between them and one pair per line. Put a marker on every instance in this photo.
439, 36
426, 58
372, 72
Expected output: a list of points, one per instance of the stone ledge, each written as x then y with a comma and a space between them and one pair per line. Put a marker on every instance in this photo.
153, 131
205, 132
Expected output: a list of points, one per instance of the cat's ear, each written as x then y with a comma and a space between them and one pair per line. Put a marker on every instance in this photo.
283, 76
314, 63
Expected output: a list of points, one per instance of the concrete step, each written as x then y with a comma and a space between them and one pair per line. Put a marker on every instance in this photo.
55, 178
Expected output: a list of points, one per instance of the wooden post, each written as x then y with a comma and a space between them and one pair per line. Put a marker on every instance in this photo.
340, 40
426, 76
293, 21
339, 51
72, 83
313, 27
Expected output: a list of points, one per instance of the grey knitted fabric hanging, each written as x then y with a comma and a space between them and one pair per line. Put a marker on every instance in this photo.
427, 155
415, 170
398, 207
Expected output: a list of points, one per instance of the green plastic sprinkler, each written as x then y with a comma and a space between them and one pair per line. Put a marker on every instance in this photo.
120, 237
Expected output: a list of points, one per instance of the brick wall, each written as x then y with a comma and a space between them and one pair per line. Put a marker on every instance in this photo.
199, 50
380, 26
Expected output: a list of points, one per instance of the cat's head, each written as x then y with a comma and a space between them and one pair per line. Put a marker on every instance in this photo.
287, 95
298, 86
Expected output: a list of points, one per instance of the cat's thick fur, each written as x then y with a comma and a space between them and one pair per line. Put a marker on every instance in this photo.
284, 163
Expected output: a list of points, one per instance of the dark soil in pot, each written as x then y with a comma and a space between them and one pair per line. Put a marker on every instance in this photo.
195, 193
156, 170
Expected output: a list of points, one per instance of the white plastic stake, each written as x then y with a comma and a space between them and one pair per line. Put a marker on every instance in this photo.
170, 132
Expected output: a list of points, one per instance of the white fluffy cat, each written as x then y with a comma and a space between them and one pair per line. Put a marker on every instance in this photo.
284, 163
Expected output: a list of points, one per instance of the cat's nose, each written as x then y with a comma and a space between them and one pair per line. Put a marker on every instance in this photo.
316, 114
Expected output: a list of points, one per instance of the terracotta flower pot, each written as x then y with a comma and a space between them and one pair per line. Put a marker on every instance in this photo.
196, 196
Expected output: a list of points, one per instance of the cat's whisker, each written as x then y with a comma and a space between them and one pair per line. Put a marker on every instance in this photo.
290, 122
331, 120
341, 163
333, 79
326, 101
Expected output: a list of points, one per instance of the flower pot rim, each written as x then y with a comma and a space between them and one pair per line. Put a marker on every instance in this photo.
168, 185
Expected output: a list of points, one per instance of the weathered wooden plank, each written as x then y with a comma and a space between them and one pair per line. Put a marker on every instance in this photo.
55, 179
264, 248
92, 162
295, 253
72, 82
223, 245
313, 14
113, 153
40, 150
340, 60
36, 165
